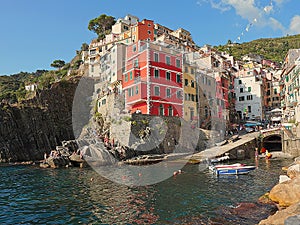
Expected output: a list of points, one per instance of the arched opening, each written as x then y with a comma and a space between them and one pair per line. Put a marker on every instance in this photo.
273, 143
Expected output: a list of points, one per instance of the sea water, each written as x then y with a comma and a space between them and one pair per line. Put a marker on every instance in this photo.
31, 195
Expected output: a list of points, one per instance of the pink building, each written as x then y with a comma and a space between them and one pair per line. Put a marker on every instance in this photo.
152, 80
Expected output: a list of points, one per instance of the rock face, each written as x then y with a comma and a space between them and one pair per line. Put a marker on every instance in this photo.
286, 193
37, 125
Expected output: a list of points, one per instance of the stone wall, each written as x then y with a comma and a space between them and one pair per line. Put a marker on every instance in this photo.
157, 134
291, 141
245, 151
291, 146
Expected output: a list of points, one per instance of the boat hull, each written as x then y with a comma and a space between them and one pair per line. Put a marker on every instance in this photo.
238, 170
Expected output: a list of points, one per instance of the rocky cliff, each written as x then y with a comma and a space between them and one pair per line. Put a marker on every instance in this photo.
36, 126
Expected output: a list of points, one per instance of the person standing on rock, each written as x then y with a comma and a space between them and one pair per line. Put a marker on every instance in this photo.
45, 157
256, 153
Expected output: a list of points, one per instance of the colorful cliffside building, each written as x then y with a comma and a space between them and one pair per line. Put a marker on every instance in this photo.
152, 80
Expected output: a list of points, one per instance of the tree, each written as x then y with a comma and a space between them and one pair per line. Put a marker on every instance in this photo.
101, 25
58, 63
84, 47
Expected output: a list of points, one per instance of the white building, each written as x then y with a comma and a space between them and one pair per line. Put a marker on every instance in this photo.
248, 90
31, 87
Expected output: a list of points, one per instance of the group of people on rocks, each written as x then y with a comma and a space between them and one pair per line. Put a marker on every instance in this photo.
53, 154
113, 147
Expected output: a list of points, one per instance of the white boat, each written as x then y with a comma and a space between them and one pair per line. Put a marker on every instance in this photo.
232, 169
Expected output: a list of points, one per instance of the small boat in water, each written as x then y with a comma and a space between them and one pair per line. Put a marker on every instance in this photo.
232, 169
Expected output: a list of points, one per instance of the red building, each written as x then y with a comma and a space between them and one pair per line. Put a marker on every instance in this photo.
152, 80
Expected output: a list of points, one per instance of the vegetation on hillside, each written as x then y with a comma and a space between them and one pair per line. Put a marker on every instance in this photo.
12, 88
273, 49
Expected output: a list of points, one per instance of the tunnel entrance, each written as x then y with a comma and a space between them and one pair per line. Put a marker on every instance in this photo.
273, 143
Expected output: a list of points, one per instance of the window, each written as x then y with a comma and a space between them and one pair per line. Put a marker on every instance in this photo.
186, 97
156, 91
129, 92
136, 63
168, 93
103, 101
240, 82
209, 82
92, 51
249, 97
193, 98
192, 71
275, 91
134, 48
156, 57
178, 78
136, 90
130, 75
249, 109
126, 77
179, 94
92, 68
186, 70
149, 32
168, 60
170, 111
192, 83
242, 98
241, 90
161, 110
186, 82
249, 89
206, 111
178, 63
156, 73
168, 75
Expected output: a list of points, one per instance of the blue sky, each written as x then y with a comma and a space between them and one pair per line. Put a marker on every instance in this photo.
36, 32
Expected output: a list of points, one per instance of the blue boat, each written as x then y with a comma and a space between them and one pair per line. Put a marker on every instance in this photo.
234, 169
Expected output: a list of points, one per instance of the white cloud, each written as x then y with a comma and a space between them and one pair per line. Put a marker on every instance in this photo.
294, 25
251, 10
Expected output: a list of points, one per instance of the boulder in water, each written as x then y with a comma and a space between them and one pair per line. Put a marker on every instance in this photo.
286, 193
288, 216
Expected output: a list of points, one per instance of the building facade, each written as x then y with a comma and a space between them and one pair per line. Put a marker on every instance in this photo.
152, 80
249, 103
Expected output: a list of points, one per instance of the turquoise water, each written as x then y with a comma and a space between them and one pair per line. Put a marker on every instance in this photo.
31, 195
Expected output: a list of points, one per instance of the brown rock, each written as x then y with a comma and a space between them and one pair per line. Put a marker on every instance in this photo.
284, 217
293, 171
286, 193
264, 199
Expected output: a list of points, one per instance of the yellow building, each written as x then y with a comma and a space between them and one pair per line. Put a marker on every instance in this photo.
190, 92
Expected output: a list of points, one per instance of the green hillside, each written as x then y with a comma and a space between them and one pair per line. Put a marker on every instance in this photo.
274, 49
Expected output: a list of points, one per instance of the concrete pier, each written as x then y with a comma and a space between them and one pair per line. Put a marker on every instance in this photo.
246, 142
